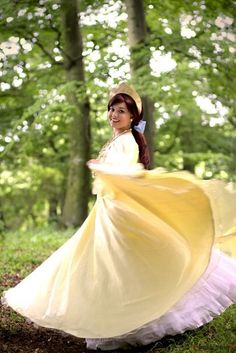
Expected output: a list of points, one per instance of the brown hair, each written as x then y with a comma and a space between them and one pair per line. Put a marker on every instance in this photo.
138, 136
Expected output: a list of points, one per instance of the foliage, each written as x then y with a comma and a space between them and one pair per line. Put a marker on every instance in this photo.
194, 98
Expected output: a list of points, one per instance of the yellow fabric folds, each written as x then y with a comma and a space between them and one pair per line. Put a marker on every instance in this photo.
146, 242
223, 202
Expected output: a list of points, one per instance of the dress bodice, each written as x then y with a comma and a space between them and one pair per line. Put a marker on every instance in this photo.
118, 155
122, 151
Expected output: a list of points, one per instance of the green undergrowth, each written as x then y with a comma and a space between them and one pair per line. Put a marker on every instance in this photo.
21, 252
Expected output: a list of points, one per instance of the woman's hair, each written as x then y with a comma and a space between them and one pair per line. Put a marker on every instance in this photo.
144, 157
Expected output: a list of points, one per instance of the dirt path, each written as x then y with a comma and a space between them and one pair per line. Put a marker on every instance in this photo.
25, 338
19, 336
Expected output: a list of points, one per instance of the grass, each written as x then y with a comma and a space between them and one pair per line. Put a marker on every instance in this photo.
22, 252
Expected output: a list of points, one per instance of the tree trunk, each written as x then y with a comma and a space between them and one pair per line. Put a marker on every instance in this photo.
137, 33
75, 208
52, 213
188, 164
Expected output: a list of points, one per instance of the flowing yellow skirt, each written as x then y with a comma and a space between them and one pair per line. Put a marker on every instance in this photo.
146, 242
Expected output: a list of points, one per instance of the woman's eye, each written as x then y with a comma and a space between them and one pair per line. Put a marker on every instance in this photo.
121, 111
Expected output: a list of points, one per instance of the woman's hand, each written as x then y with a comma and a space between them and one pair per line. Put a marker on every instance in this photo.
92, 161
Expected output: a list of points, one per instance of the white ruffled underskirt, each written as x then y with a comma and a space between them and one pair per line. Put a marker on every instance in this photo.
210, 296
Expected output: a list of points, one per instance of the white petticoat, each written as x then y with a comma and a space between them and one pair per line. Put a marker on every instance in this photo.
209, 297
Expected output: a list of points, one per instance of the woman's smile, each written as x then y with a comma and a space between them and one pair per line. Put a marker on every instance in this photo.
119, 117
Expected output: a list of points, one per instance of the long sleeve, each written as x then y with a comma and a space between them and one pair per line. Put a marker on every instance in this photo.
120, 157
122, 152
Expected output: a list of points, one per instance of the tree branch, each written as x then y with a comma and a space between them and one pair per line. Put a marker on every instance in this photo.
47, 53
172, 144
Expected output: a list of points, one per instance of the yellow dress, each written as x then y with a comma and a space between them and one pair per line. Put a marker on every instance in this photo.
146, 243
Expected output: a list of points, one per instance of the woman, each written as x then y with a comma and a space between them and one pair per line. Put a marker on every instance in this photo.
141, 266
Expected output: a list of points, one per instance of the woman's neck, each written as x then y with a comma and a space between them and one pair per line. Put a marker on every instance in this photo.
118, 132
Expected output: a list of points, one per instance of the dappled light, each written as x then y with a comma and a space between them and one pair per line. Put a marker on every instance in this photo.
59, 60
185, 65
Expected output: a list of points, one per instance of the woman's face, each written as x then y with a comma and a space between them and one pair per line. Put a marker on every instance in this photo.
119, 117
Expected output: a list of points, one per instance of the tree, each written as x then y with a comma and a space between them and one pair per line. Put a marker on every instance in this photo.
37, 119
40, 95
137, 34
199, 39
77, 192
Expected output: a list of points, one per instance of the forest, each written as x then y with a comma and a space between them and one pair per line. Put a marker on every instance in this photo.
58, 61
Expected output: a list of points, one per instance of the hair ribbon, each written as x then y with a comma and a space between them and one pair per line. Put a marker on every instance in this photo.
140, 127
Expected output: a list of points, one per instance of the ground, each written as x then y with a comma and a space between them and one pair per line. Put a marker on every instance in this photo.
21, 253
17, 335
